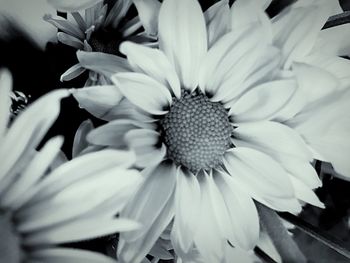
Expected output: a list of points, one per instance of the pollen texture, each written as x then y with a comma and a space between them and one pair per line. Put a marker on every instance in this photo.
196, 132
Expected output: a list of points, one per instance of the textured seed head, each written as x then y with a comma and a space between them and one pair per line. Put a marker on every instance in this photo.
196, 132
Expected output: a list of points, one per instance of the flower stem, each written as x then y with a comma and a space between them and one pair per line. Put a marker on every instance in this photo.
338, 20
284, 243
316, 233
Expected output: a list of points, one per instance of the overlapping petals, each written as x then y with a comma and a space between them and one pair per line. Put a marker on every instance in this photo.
79, 200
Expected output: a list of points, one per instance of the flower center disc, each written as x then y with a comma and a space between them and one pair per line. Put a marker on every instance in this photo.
196, 132
105, 41
10, 250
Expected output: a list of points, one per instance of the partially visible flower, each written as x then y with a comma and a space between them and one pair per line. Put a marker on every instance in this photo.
208, 130
100, 30
77, 201
318, 110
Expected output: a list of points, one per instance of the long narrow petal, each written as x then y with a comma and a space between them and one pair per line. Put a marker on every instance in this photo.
33, 172
66, 205
70, 6
263, 101
136, 251
296, 29
151, 198
29, 128
145, 144
70, 40
339, 67
73, 72
186, 213
103, 63
112, 133
98, 100
152, 62
208, 239
65, 26
148, 11
143, 91
244, 218
183, 38
218, 21
79, 230
5, 101
86, 166
315, 82
80, 142
230, 62
68, 255
247, 13
274, 136
304, 193
264, 178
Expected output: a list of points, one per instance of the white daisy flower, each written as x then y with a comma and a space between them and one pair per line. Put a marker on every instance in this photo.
99, 30
313, 56
208, 133
39, 210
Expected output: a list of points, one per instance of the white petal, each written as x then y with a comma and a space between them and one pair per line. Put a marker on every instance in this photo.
70, 40
79, 142
82, 167
154, 63
33, 172
296, 29
66, 205
300, 169
334, 41
218, 20
243, 214
304, 193
263, 102
230, 61
102, 63
247, 13
151, 198
112, 133
79, 230
144, 143
144, 92
262, 177
73, 72
126, 110
314, 81
29, 128
186, 212
68, 255
339, 67
260, 171
148, 13
69, 6
274, 137
5, 101
137, 250
98, 100
64, 25
208, 239
183, 38
117, 13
